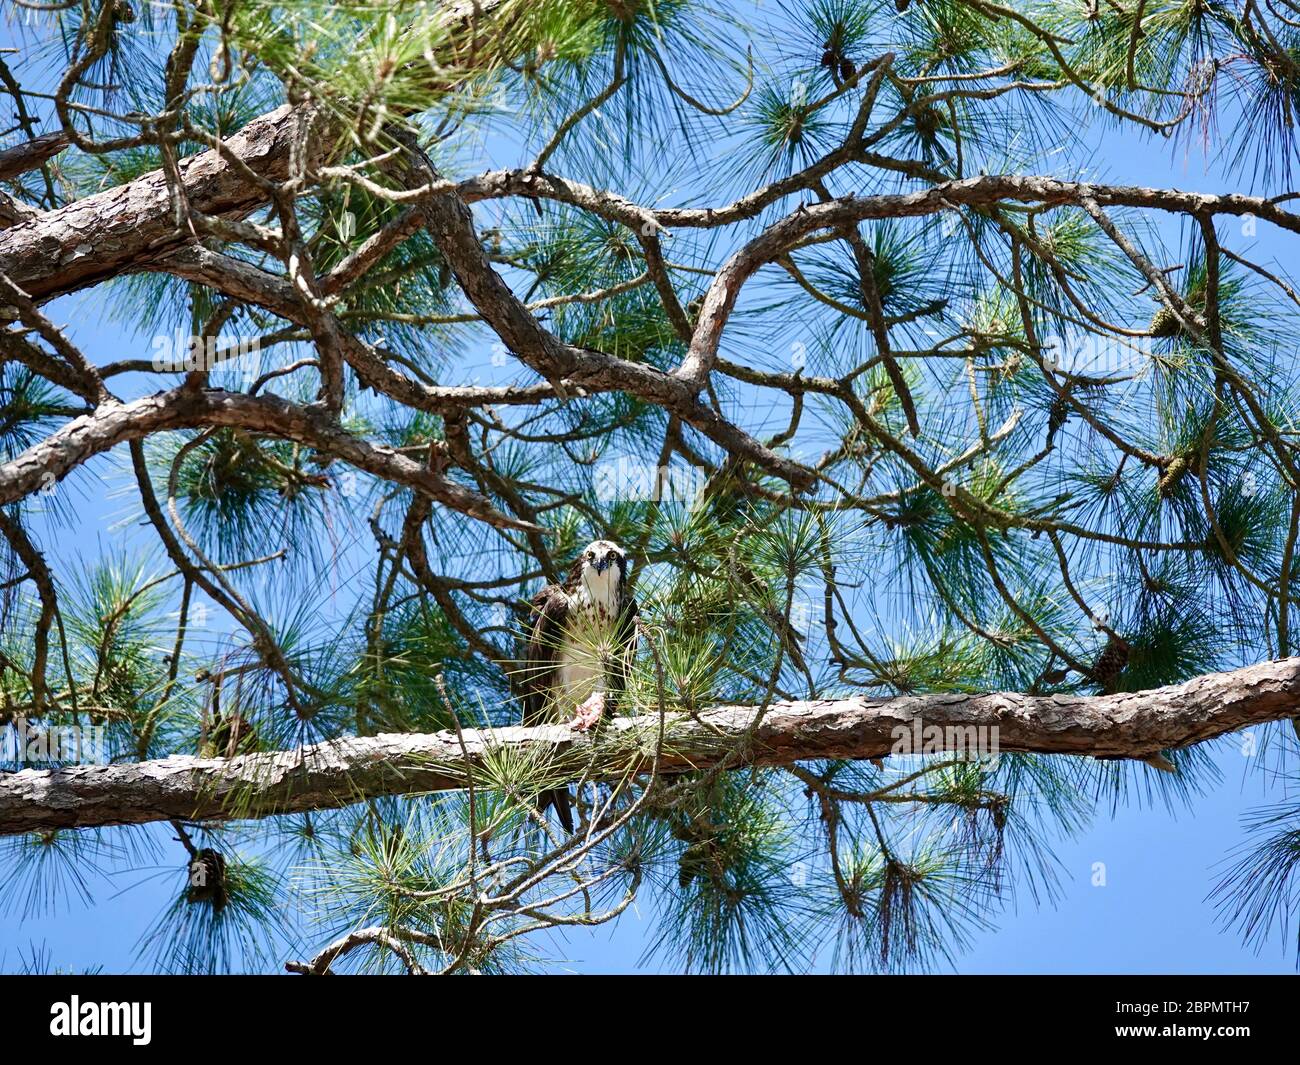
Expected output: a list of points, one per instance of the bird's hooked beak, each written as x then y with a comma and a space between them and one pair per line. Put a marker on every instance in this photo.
602, 564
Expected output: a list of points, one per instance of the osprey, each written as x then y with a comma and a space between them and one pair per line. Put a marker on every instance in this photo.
580, 643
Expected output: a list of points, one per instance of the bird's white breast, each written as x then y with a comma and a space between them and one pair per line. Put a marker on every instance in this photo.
581, 675
599, 590
588, 640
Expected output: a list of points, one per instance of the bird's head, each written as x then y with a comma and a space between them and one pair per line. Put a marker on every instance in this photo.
598, 573
600, 555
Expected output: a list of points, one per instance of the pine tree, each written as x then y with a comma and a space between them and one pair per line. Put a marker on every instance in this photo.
825, 311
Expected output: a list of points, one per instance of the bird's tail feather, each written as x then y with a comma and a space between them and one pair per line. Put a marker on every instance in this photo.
559, 798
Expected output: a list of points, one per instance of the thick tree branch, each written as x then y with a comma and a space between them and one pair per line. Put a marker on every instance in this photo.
330, 775
124, 229
129, 227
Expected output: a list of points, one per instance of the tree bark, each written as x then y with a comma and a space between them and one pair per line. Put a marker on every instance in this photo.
126, 228
335, 774
133, 226
30, 154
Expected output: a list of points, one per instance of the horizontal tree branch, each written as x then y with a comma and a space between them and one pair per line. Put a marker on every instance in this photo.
335, 774
982, 191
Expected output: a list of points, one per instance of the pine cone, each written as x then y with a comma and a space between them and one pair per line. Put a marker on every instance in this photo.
1172, 475
207, 872
230, 735
1057, 415
1110, 664
1165, 324
929, 121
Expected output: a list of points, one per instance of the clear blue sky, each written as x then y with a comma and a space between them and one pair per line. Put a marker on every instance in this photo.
1151, 915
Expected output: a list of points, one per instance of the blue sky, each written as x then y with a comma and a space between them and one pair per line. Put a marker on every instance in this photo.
1151, 915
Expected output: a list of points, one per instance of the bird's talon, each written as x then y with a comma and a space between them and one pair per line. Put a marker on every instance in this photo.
588, 715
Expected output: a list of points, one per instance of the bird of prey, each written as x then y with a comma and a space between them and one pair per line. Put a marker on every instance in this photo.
580, 642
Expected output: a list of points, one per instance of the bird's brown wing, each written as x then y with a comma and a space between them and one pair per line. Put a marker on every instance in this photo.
550, 610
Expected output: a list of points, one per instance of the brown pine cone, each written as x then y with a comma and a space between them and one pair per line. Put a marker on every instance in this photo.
207, 872
1110, 663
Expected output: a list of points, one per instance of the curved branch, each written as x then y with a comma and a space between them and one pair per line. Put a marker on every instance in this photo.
185, 408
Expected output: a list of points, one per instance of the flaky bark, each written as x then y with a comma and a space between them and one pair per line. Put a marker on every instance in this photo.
126, 228
133, 226
331, 775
